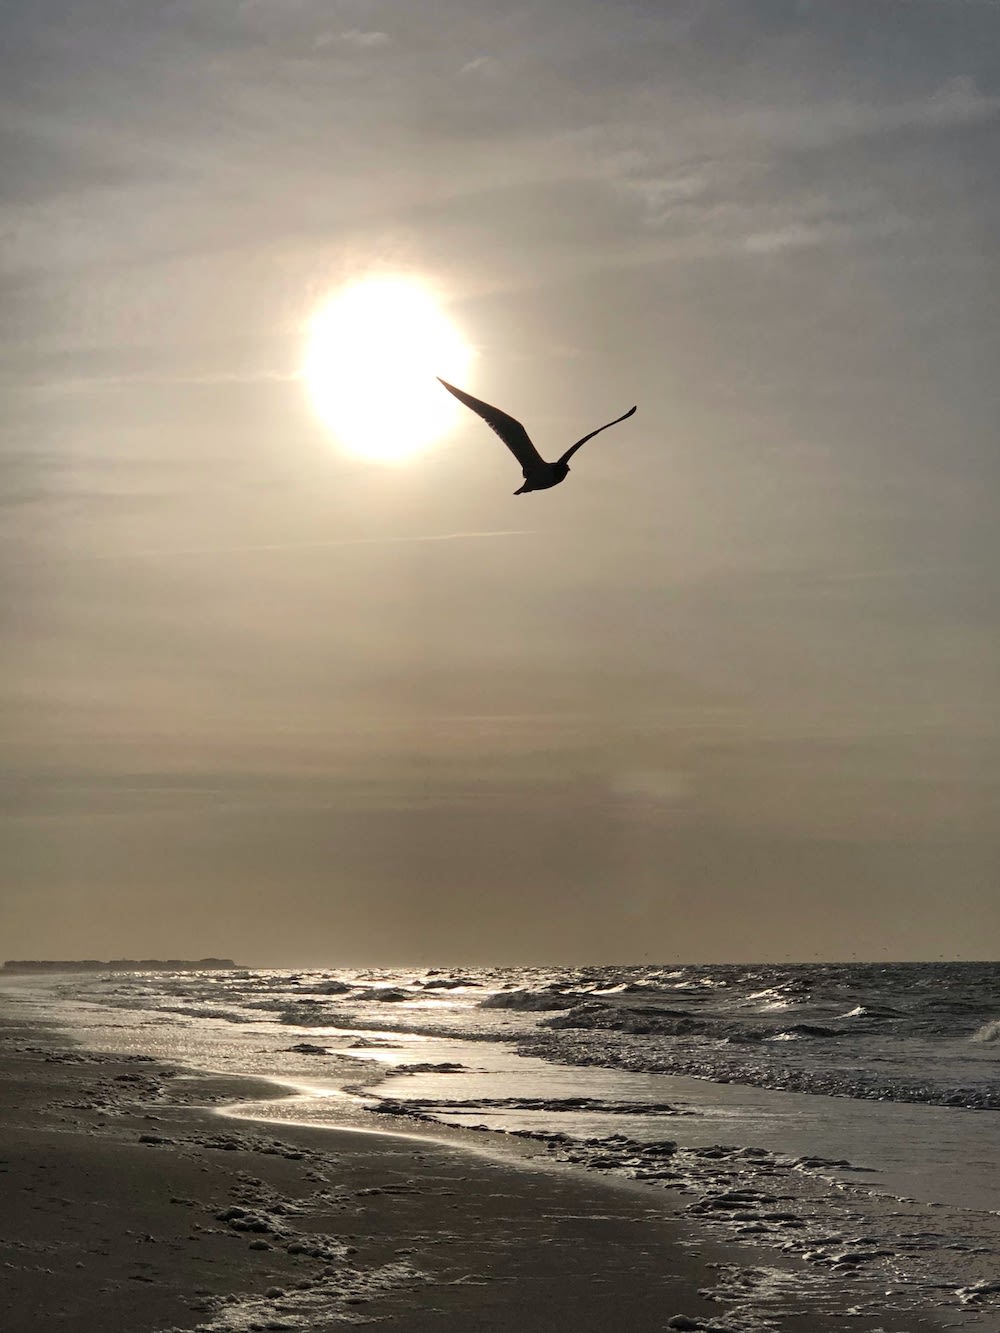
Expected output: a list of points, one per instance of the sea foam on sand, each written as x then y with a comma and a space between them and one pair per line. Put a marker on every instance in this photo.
128, 1205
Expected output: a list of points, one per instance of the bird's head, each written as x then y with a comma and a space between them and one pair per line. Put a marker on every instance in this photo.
561, 471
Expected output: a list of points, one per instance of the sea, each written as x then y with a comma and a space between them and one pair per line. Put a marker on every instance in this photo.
842, 1120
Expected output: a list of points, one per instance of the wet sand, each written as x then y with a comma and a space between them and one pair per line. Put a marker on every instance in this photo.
129, 1205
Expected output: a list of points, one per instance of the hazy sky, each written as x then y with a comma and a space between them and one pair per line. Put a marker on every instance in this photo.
731, 692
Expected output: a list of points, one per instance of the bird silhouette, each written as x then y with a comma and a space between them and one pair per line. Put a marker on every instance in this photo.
538, 475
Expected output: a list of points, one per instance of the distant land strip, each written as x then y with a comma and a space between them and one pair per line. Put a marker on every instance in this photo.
115, 964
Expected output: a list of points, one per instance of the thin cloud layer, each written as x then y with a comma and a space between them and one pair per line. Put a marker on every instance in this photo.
753, 645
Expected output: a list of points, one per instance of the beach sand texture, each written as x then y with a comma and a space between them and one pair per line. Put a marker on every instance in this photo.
128, 1205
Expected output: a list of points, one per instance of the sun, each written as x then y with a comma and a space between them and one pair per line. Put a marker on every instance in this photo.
373, 353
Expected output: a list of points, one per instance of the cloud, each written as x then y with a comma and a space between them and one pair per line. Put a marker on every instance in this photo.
362, 39
765, 177
800, 235
796, 236
955, 102
156, 552
778, 127
481, 65
651, 788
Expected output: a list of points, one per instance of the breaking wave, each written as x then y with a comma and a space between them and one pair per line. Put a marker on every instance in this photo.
527, 1001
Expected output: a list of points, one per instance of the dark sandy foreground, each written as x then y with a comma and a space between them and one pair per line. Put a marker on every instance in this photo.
127, 1205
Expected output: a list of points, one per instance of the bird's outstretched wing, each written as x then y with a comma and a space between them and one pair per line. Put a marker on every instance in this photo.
513, 434
573, 447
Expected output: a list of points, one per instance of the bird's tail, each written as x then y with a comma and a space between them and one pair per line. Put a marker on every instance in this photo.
522, 489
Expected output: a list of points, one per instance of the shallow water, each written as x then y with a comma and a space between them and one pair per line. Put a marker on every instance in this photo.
892, 1183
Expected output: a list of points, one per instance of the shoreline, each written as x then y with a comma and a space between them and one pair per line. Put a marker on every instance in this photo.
130, 1204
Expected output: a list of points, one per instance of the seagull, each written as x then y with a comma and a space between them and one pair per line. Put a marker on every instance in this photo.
538, 475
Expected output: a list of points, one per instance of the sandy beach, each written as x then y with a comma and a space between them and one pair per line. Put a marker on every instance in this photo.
129, 1204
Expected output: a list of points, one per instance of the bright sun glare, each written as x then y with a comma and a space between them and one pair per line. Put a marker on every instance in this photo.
371, 362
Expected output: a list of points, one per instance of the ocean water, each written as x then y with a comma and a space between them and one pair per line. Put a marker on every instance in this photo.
847, 1116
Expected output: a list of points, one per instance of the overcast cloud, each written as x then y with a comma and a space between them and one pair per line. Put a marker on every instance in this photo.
731, 692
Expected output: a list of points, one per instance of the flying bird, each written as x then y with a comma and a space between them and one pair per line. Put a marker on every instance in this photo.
538, 475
